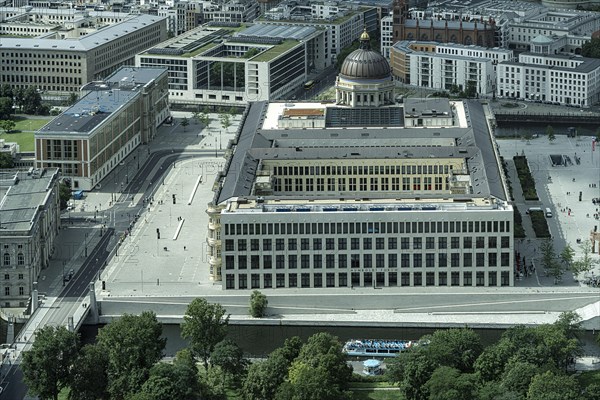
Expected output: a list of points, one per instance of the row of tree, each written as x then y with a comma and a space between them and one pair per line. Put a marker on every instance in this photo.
556, 266
28, 101
527, 363
123, 363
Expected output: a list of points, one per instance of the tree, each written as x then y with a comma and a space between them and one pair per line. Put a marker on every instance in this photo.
6, 161
550, 386
518, 375
225, 121
196, 116
591, 48
549, 262
7, 125
309, 382
324, 350
64, 194
586, 263
204, 119
230, 358
457, 348
550, 133
264, 378
570, 323
73, 98
19, 96
411, 370
46, 366
32, 101
6, 91
490, 364
204, 325
172, 381
184, 123
258, 304
566, 256
88, 379
6, 108
133, 344
447, 383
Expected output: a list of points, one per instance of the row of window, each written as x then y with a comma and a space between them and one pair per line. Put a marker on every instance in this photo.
7, 291
307, 280
363, 184
407, 260
368, 243
363, 170
294, 228
7, 259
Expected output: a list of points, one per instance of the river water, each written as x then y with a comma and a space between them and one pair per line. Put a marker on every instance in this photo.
259, 341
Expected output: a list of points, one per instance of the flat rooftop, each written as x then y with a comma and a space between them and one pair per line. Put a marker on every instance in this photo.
87, 42
21, 201
104, 98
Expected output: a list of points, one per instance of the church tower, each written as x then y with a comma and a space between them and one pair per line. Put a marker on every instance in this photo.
400, 15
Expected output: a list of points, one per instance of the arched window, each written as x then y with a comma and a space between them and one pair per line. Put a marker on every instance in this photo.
6, 259
468, 41
453, 39
20, 259
410, 36
424, 37
438, 38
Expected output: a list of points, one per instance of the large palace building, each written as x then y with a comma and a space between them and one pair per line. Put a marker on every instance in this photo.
362, 192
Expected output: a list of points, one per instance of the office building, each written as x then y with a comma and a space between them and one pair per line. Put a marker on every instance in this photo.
60, 65
231, 64
551, 78
107, 124
447, 67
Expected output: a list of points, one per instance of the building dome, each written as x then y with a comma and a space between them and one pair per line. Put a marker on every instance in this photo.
365, 63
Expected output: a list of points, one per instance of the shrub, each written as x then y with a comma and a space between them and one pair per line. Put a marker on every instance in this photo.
525, 177
540, 225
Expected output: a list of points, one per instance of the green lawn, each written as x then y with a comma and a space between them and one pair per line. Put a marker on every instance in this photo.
377, 395
25, 140
30, 125
24, 131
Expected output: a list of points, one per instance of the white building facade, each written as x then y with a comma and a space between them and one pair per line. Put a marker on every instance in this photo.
444, 66
559, 79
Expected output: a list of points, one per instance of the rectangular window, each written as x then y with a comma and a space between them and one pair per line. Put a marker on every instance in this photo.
430, 243
467, 242
342, 244
455, 242
417, 260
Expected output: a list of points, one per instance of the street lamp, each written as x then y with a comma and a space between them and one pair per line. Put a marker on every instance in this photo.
63, 264
216, 155
85, 241
220, 144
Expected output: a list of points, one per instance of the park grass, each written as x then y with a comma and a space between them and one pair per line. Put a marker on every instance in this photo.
24, 139
377, 395
24, 131
25, 124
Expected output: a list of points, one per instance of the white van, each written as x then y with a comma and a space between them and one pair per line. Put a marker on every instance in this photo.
533, 209
548, 213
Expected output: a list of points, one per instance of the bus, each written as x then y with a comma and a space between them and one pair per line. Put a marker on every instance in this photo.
308, 85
